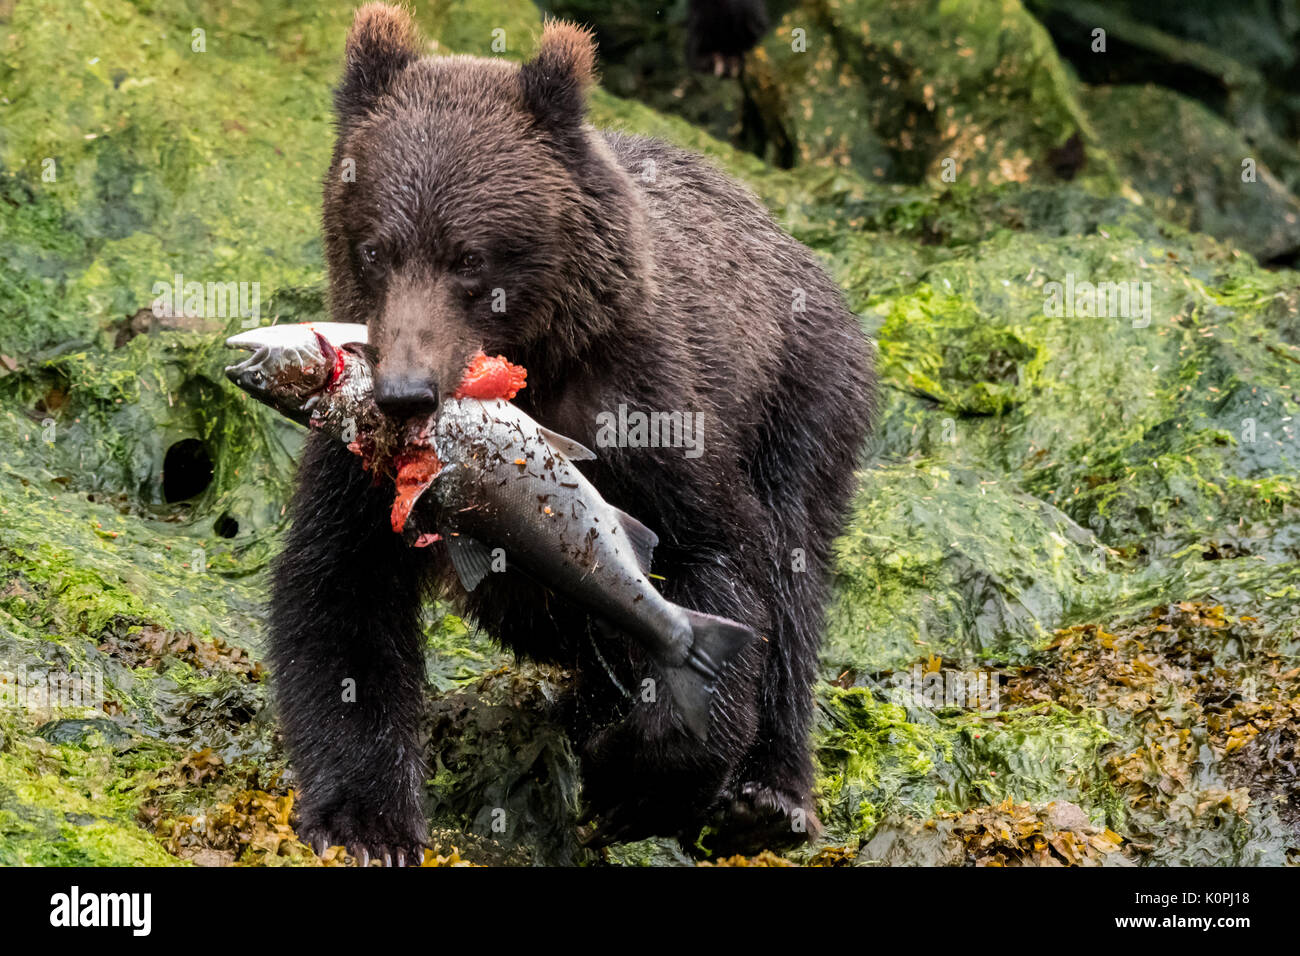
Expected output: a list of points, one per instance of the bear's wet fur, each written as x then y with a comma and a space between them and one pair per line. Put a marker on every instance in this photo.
468, 206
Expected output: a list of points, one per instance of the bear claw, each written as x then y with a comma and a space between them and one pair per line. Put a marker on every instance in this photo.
364, 852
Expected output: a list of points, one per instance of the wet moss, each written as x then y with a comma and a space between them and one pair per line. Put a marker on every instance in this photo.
74, 804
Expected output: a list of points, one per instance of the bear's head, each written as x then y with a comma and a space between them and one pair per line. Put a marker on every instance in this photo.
468, 206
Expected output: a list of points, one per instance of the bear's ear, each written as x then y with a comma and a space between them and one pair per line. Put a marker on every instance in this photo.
383, 41
555, 82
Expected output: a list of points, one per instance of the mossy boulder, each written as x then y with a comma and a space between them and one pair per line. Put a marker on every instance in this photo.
919, 91
1238, 60
1208, 177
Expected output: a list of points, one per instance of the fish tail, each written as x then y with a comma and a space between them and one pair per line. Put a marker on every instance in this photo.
715, 641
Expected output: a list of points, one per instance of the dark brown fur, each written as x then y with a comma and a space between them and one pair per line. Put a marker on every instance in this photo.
633, 273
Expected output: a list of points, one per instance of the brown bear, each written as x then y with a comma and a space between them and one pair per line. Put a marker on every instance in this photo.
469, 207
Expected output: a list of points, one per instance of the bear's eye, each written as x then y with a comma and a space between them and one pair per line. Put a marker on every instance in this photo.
371, 257
469, 263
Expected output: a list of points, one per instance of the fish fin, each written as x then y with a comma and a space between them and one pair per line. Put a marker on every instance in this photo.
692, 698
570, 449
643, 540
471, 559
716, 641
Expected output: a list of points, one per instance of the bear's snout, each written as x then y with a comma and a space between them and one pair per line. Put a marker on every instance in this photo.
404, 395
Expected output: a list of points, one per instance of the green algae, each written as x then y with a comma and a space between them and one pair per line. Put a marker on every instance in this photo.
887, 758
1030, 754
457, 653
504, 28
873, 761
74, 805
161, 155
973, 368
941, 561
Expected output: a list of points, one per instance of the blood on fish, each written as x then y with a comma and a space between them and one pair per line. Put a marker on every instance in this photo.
416, 467
331, 354
416, 470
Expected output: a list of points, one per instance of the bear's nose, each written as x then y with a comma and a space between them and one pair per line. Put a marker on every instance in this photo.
402, 396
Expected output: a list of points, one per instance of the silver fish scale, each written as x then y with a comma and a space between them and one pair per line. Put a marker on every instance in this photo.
503, 483
349, 406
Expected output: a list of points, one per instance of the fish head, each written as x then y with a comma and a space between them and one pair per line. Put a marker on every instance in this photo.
292, 365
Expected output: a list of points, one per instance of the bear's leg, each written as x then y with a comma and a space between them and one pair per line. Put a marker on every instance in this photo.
770, 804
345, 649
645, 773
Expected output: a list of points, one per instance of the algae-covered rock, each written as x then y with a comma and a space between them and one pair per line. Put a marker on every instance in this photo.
1237, 59
946, 561
919, 91
1208, 177
1211, 82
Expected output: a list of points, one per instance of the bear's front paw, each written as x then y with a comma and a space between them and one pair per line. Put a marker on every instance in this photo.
754, 816
385, 841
